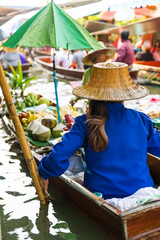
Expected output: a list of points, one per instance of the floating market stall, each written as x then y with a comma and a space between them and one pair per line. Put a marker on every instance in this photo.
148, 70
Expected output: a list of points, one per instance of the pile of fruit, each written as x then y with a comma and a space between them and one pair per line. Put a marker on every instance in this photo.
41, 122
32, 100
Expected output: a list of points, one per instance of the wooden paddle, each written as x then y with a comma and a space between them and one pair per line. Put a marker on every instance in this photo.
22, 138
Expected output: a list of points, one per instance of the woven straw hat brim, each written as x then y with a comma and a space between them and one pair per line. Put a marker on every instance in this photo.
110, 84
11, 50
90, 57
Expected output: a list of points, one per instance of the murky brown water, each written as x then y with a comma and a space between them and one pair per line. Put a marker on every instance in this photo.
22, 217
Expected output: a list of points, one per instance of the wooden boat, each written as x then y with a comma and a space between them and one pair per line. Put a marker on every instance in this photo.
25, 68
142, 222
69, 73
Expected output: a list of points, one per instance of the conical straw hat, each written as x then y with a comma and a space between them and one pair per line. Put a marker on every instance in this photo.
110, 82
11, 50
91, 56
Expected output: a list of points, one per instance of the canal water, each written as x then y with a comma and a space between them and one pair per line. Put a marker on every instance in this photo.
21, 215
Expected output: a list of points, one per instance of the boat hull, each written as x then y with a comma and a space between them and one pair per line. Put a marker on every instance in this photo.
67, 73
25, 68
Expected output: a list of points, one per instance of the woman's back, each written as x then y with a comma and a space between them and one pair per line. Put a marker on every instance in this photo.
121, 169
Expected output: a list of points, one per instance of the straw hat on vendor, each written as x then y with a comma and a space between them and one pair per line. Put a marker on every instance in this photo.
110, 82
93, 57
11, 50
90, 58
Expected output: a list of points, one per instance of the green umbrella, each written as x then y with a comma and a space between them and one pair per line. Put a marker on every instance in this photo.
53, 27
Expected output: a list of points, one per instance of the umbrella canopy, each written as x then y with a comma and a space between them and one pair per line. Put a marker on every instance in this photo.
53, 27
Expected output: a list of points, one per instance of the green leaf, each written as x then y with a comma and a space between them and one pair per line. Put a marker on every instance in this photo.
20, 72
29, 80
12, 68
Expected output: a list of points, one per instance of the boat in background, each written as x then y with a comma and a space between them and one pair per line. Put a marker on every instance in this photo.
25, 68
70, 73
67, 73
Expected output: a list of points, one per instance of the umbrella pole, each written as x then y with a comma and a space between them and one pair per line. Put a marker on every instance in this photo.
21, 137
56, 92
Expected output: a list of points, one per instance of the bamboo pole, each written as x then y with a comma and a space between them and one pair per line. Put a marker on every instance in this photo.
32, 166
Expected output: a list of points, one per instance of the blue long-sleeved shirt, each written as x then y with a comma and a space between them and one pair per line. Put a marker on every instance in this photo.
121, 169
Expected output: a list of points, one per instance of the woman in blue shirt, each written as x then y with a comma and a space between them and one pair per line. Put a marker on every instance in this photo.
116, 139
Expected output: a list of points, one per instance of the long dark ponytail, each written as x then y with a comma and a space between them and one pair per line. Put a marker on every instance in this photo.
96, 117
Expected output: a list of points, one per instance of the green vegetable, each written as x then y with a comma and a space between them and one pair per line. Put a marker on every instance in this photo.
30, 100
20, 105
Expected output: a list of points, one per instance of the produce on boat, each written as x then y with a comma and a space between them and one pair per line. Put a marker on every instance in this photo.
43, 100
58, 130
32, 126
41, 133
49, 121
44, 114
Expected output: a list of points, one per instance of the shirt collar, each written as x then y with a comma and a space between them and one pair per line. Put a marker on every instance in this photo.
114, 106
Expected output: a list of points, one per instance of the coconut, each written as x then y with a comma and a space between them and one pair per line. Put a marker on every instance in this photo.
32, 126
49, 121
41, 108
41, 134
56, 132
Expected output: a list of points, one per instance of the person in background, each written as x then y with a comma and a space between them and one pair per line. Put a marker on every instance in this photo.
22, 58
57, 55
66, 59
115, 139
145, 54
11, 56
78, 55
94, 57
138, 46
156, 51
125, 51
